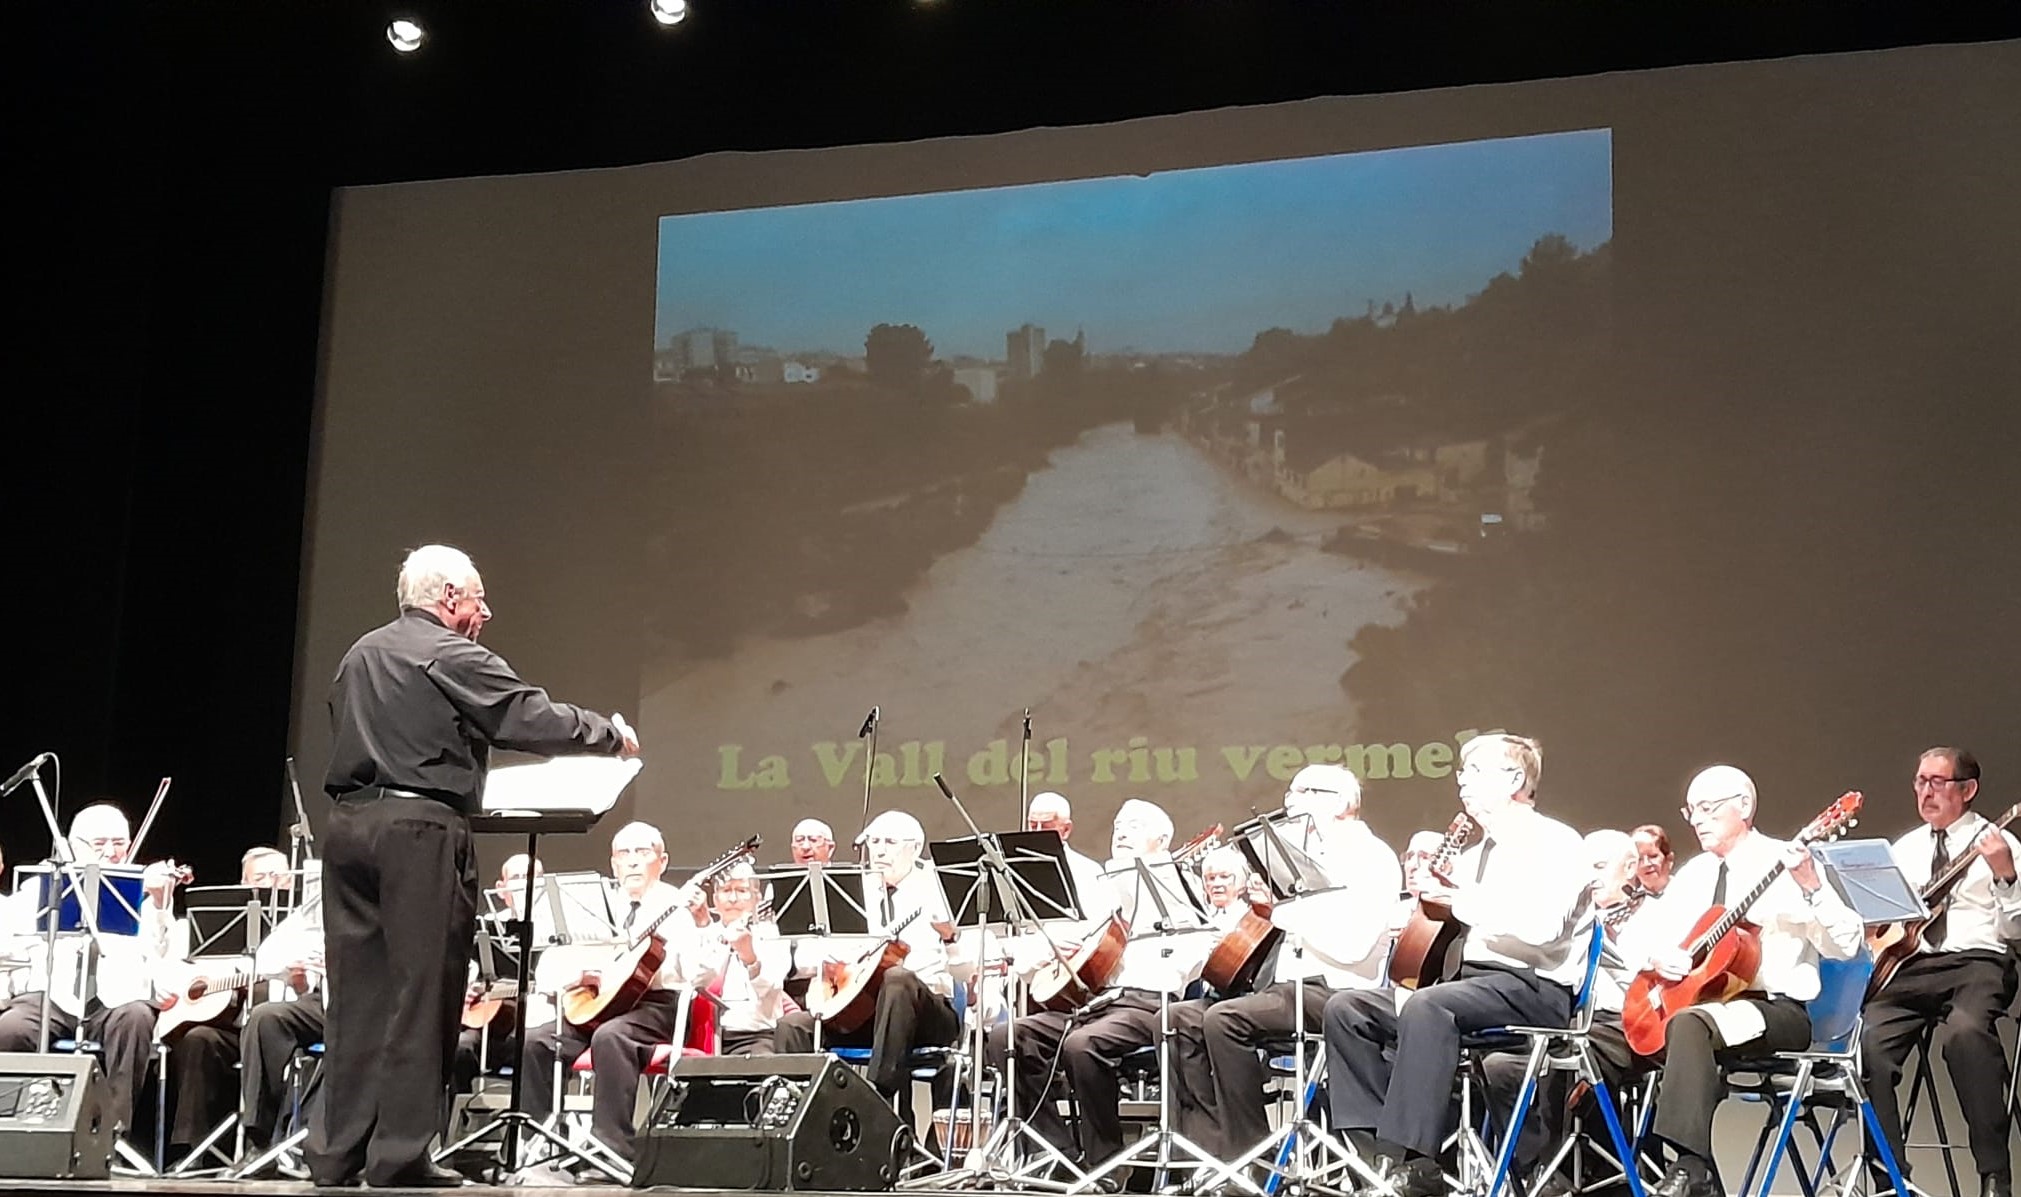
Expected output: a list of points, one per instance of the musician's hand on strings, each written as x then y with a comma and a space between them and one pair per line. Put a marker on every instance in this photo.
159, 880
630, 737
697, 903
1992, 845
1671, 963
1802, 869
591, 980
1258, 893
472, 992
297, 975
1431, 887
944, 929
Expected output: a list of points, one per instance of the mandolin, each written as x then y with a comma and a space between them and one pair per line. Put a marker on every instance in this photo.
639, 961
490, 1002
1067, 985
1426, 943
1238, 955
197, 997
1725, 949
844, 993
1892, 944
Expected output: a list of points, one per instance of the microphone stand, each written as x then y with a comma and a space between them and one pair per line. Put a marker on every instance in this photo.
301, 837
1024, 773
868, 730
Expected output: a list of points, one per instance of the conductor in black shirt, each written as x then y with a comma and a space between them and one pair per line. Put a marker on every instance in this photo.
415, 709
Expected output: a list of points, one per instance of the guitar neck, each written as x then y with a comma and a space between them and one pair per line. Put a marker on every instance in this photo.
1938, 889
706, 875
1736, 912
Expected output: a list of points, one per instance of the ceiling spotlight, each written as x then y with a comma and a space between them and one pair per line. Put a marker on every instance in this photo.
405, 34
670, 12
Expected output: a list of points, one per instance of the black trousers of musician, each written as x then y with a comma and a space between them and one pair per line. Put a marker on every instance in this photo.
1964, 994
909, 1015
619, 1050
399, 910
479, 1047
203, 1087
1409, 1102
1503, 1072
1222, 1065
1693, 1054
124, 1034
747, 1043
1088, 1053
274, 1032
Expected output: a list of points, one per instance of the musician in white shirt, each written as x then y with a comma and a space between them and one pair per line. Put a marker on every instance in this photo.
914, 1000
1524, 899
1022, 953
1335, 940
120, 1015
295, 1018
622, 1045
1961, 978
493, 1040
1801, 919
744, 963
813, 842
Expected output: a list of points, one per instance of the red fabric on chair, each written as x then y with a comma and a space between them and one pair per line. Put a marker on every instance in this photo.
701, 1039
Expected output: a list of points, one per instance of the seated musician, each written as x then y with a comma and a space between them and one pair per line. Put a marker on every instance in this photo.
914, 1000
1523, 896
1961, 979
1618, 903
622, 1045
1052, 812
744, 962
1021, 952
203, 1059
1089, 1048
290, 1021
120, 1014
813, 842
1337, 941
1417, 854
1800, 917
1655, 859
492, 1040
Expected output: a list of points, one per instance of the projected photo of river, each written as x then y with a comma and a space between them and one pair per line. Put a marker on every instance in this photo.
1173, 462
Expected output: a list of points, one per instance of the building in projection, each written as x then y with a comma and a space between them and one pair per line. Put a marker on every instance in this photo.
1025, 345
979, 381
697, 353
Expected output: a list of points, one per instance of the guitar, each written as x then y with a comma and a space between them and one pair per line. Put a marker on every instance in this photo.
495, 999
844, 993
1893, 943
199, 996
1065, 986
1424, 945
639, 961
1725, 949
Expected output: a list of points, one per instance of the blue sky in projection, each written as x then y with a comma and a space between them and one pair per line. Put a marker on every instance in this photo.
1181, 261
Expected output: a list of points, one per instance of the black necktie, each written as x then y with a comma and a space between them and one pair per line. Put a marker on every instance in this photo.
1940, 859
631, 916
1719, 886
1481, 865
890, 910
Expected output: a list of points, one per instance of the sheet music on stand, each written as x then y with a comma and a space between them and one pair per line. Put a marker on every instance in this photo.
1866, 877
1161, 890
107, 897
229, 920
565, 783
1273, 846
1038, 864
816, 900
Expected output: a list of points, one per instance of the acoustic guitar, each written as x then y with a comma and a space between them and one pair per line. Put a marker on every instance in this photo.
495, 999
1426, 943
843, 994
1725, 949
1238, 955
1893, 943
1065, 986
639, 961
199, 996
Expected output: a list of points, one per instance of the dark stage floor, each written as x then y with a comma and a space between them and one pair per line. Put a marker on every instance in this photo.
267, 1188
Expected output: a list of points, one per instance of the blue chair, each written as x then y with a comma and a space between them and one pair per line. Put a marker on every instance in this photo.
1826, 1076
1561, 1049
924, 1064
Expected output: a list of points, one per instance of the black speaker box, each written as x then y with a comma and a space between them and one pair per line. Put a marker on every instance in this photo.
54, 1124
771, 1122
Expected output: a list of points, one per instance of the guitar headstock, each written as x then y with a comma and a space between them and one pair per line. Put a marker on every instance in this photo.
1835, 820
1199, 845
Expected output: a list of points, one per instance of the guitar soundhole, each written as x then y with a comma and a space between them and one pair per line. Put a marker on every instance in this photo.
845, 1130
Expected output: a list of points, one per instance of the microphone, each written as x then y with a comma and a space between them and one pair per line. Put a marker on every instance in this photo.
869, 723
22, 774
1028, 725
1096, 1004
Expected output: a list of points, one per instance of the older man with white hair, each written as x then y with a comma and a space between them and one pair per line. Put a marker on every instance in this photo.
415, 708
119, 1015
1801, 919
813, 842
1336, 940
915, 1006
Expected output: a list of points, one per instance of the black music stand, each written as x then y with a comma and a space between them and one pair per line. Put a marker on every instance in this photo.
819, 900
226, 922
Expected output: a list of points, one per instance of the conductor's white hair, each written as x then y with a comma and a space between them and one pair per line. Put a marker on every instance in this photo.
633, 834
428, 570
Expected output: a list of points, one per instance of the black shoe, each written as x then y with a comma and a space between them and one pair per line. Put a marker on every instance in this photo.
1688, 1177
1419, 1177
1996, 1184
429, 1176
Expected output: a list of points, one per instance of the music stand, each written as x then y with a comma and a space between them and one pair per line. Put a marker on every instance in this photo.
226, 923
820, 900
579, 908
1867, 879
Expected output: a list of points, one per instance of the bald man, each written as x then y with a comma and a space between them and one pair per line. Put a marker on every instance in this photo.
813, 842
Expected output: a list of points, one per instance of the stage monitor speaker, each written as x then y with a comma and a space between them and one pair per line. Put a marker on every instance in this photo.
771, 1122
54, 1121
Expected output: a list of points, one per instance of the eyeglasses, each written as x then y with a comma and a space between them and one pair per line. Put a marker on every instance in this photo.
812, 839
1691, 811
883, 841
1927, 782
1479, 770
1308, 790
643, 852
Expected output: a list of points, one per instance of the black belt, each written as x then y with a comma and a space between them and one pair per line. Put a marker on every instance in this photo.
368, 793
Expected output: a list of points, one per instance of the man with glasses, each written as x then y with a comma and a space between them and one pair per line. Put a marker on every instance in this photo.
1962, 979
1522, 892
1801, 920
1337, 941
813, 842
742, 959
915, 1006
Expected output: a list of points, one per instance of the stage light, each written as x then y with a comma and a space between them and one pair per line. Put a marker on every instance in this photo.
670, 12
406, 34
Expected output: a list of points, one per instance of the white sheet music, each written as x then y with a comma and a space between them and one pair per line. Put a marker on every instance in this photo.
590, 783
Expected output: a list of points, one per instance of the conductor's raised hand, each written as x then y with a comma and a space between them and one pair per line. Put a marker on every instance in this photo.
630, 747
